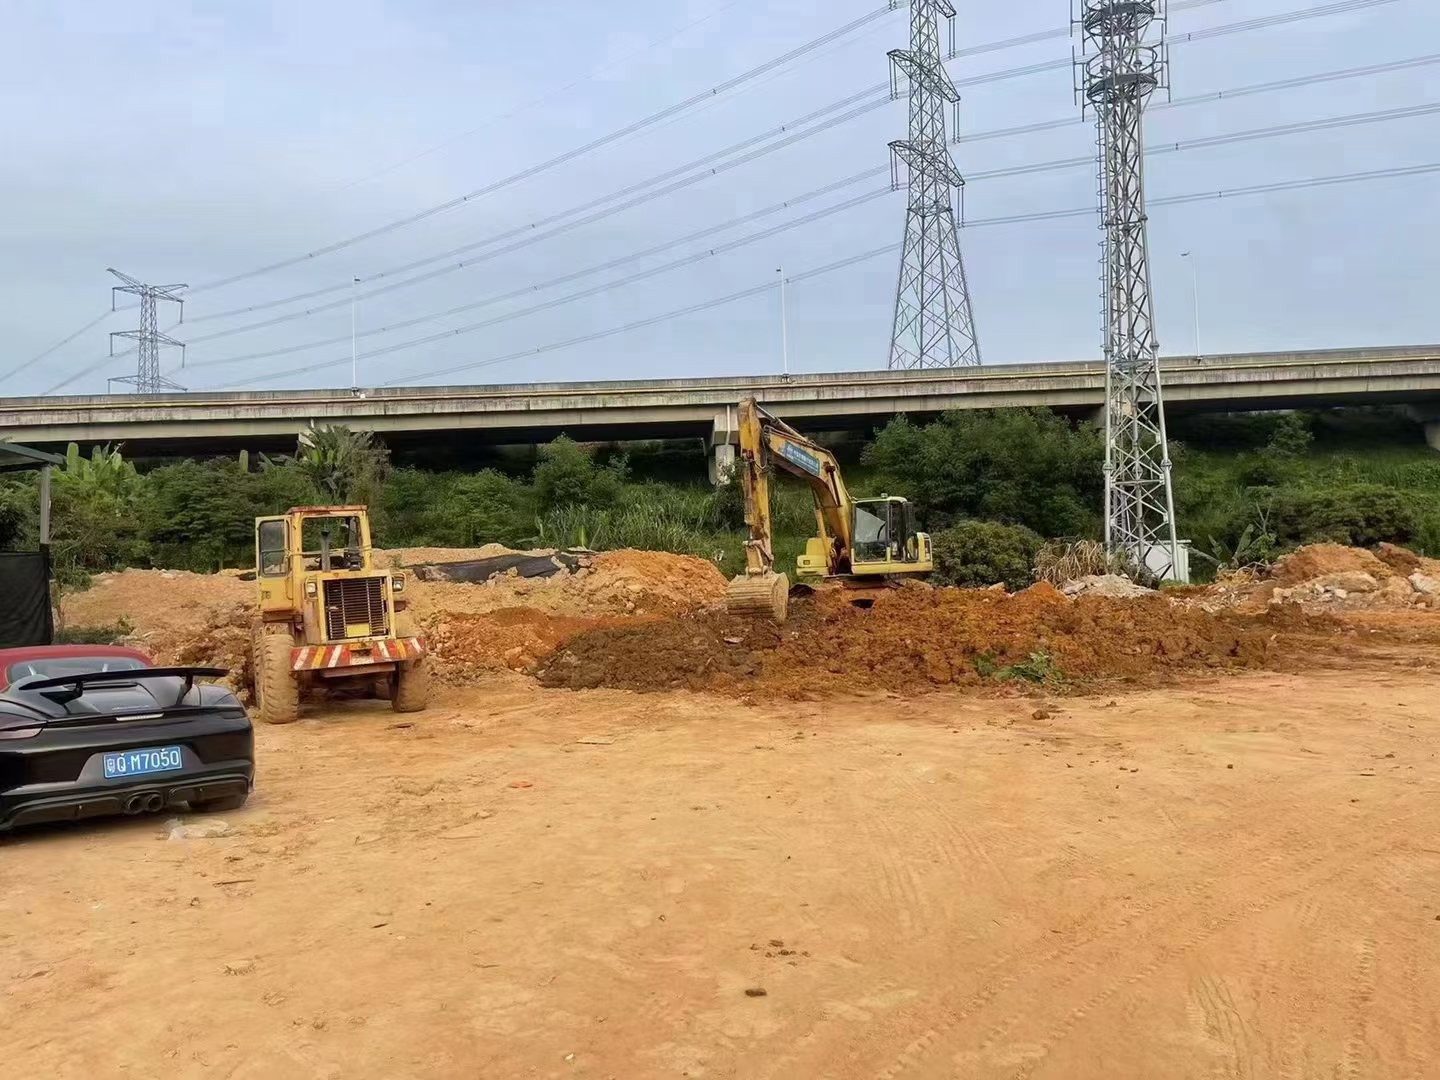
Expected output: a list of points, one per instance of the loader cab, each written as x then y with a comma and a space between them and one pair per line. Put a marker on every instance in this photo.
885, 539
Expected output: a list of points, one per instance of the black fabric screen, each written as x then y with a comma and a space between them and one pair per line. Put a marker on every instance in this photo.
25, 617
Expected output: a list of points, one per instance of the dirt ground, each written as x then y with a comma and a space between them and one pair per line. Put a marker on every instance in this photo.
1236, 877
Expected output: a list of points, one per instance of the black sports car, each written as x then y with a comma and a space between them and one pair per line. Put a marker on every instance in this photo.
93, 730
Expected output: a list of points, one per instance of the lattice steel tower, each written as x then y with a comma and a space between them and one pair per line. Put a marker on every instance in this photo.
934, 326
148, 339
1124, 62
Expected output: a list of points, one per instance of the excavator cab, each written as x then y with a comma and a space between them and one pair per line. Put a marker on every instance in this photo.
885, 540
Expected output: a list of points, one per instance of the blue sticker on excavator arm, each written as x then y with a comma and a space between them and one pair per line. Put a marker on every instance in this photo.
798, 456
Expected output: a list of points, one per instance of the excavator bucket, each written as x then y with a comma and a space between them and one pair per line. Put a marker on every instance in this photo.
759, 595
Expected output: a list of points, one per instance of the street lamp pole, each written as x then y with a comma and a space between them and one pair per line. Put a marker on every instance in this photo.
1194, 295
354, 372
784, 326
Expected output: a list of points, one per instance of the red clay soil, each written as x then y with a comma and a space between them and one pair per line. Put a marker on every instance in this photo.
918, 639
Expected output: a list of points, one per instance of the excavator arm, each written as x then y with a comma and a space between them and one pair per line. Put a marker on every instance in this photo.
766, 440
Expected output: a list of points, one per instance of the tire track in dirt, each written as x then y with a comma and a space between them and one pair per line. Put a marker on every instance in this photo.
1217, 1018
1007, 970
1277, 865
1362, 995
1193, 940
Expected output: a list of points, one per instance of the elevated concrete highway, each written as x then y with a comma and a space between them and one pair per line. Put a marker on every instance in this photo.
703, 408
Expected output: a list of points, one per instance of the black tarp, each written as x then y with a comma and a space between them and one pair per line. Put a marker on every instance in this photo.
25, 617
477, 571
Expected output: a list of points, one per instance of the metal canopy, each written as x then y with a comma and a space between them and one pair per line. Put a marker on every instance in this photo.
16, 458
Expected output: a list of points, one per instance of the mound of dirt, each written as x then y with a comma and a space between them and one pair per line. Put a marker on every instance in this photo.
1321, 560
176, 616
1331, 577
912, 640
463, 646
507, 622
393, 558
616, 583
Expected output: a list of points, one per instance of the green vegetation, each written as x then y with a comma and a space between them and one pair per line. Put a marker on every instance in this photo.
976, 554
1020, 467
990, 486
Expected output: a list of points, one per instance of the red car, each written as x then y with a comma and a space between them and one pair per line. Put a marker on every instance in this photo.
88, 730
52, 660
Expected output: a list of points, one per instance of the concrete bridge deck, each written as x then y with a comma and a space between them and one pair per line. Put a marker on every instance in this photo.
703, 408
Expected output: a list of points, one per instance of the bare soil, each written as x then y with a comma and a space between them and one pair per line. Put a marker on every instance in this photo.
1234, 878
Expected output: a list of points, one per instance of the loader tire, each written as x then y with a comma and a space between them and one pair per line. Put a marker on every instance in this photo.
277, 692
760, 595
412, 686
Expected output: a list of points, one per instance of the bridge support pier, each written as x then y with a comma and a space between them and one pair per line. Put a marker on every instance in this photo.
1429, 419
1432, 434
724, 437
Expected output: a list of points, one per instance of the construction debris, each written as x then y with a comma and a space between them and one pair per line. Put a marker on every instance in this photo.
1331, 577
1113, 585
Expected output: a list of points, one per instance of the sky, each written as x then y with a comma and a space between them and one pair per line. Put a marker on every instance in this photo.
192, 142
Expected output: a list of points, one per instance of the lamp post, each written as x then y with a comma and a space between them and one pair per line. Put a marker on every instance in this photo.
1194, 296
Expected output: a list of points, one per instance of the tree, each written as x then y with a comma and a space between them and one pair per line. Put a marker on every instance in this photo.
95, 514
200, 517
1361, 515
347, 467
1022, 467
489, 508
566, 476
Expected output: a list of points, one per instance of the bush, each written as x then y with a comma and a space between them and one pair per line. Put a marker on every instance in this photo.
1020, 467
976, 554
1361, 515
566, 476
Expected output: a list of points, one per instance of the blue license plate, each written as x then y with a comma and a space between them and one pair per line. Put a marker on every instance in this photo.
155, 759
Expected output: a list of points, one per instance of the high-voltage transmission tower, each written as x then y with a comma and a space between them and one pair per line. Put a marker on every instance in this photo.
1124, 61
934, 326
148, 339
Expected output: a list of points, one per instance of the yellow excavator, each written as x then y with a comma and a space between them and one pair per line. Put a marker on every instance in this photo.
863, 543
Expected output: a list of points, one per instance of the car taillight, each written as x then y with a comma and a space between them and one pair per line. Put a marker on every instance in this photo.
18, 732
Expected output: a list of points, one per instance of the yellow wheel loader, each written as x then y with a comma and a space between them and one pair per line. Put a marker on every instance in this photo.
863, 543
328, 616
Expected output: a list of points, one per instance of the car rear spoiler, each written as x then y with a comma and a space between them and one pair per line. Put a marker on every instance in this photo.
66, 688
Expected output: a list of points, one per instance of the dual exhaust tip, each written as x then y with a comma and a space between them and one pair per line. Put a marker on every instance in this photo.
146, 803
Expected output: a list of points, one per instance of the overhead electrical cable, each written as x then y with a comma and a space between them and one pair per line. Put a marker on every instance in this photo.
731, 84
769, 286
1300, 127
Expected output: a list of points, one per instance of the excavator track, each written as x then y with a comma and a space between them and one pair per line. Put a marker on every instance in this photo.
759, 595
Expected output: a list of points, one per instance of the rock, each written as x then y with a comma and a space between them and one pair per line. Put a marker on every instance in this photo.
176, 830
1350, 581
239, 967
1105, 585
755, 991
1424, 584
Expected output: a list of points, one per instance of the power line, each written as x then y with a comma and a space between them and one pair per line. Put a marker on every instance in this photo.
745, 219
1299, 127
560, 159
530, 229
542, 99
889, 249
1218, 95
58, 345
870, 91
1019, 170
655, 271
723, 88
